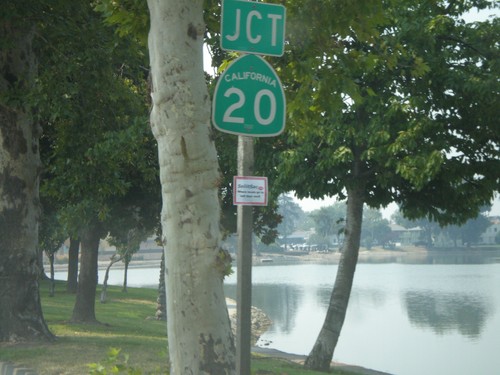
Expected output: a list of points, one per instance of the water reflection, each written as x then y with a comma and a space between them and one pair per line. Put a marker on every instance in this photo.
445, 313
361, 297
292, 306
442, 312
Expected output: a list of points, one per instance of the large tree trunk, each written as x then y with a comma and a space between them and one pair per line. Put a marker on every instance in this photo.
321, 355
199, 331
84, 309
21, 317
74, 247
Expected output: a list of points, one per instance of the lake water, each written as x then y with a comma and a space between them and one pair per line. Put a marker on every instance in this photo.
405, 319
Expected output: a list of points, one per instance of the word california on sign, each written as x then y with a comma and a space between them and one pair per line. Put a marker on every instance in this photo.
240, 76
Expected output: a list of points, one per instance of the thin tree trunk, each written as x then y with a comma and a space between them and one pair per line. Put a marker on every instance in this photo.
84, 309
21, 317
74, 249
43, 275
321, 355
52, 282
104, 291
199, 330
125, 273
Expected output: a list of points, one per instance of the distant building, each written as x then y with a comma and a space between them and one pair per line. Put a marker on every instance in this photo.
296, 238
489, 235
405, 236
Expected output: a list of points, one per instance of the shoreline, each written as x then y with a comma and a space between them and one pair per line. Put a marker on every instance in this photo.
409, 254
368, 256
376, 255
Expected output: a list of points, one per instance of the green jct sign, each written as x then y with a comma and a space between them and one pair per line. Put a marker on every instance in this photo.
249, 99
248, 26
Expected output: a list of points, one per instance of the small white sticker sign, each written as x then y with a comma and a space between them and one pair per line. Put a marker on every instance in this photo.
250, 191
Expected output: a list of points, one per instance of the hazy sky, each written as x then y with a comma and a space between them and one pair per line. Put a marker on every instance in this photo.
309, 204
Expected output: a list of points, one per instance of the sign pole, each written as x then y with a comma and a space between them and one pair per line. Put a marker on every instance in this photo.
244, 264
249, 101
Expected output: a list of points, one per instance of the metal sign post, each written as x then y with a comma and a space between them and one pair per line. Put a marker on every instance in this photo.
249, 101
244, 264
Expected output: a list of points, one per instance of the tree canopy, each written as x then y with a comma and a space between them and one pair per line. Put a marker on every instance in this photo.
100, 161
389, 102
409, 92
93, 109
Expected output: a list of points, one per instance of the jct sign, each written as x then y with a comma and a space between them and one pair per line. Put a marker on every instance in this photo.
249, 99
248, 26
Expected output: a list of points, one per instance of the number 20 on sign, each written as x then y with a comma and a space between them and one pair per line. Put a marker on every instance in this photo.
249, 99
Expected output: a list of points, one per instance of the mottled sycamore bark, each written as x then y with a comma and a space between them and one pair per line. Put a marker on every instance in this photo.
21, 317
199, 332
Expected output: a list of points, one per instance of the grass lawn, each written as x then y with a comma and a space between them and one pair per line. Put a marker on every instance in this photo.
127, 324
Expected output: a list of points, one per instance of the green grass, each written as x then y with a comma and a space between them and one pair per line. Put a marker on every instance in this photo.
127, 323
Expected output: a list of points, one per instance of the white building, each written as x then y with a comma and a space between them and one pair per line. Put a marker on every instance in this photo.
489, 235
